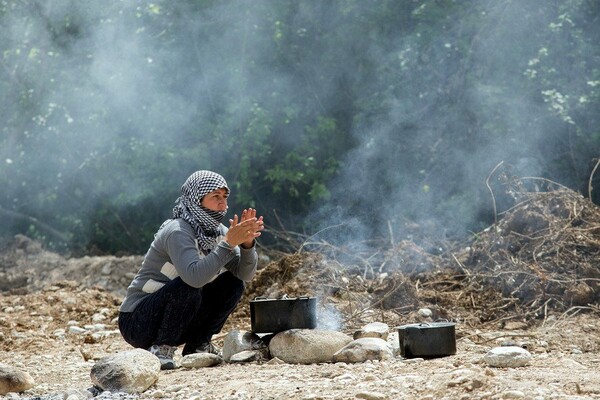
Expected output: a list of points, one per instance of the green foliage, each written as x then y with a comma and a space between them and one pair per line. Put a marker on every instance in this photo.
305, 170
108, 107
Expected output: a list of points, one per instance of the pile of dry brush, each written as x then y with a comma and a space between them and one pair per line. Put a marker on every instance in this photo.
541, 257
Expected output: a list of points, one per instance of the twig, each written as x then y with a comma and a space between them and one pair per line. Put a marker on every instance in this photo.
590, 180
508, 335
547, 181
595, 308
316, 233
466, 271
499, 274
571, 312
285, 235
120, 221
506, 318
380, 301
17, 215
487, 183
278, 220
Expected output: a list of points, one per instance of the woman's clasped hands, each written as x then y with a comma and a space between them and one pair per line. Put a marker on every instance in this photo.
243, 230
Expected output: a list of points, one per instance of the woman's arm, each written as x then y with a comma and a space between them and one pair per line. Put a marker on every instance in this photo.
195, 268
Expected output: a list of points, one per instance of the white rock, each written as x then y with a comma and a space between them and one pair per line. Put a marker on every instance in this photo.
394, 341
98, 317
363, 349
425, 313
345, 378
371, 396
200, 360
132, 371
374, 330
507, 357
95, 327
106, 269
275, 361
59, 333
413, 360
469, 379
307, 346
14, 380
76, 330
567, 362
175, 388
245, 356
237, 341
511, 394
77, 394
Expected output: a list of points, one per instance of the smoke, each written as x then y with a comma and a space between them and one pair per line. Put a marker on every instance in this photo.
122, 97
427, 160
329, 318
90, 86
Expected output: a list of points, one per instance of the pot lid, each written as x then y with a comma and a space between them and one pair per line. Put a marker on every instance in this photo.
428, 325
283, 298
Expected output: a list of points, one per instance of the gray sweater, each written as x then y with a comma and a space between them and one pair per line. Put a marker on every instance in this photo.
175, 253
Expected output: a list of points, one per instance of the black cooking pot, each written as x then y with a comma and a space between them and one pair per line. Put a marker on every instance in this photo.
277, 315
435, 339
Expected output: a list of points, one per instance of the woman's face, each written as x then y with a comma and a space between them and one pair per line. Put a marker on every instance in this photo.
215, 200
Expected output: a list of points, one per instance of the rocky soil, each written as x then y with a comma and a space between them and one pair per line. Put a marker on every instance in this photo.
531, 281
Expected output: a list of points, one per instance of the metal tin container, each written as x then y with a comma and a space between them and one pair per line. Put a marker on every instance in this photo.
277, 315
436, 339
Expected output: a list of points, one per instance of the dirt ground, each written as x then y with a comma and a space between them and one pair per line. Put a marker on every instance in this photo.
532, 280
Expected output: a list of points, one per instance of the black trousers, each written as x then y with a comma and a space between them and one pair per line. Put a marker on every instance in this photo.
180, 314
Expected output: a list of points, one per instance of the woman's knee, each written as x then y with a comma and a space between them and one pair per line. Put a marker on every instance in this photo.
226, 288
229, 281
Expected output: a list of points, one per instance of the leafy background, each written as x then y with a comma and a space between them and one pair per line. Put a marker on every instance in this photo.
366, 117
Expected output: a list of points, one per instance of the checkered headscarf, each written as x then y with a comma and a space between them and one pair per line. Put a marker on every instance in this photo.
205, 222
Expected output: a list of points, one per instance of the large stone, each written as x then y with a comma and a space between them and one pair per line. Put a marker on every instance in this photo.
246, 356
373, 330
200, 360
14, 380
363, 349
132, 371
307, 346
394, 342
238, 341
507, 357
